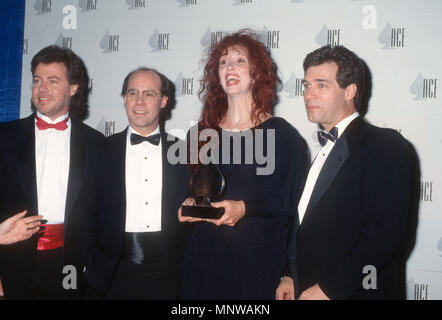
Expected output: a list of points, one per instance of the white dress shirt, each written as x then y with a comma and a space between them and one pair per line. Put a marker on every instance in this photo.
316, 167
144, 181
52, 157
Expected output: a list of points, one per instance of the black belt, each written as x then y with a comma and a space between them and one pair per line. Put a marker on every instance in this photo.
143, 247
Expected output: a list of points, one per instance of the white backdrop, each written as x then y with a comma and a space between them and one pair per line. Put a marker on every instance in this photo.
399, 40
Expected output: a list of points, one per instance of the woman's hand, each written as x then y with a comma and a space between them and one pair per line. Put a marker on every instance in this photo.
234, 211
17, 228
187, 202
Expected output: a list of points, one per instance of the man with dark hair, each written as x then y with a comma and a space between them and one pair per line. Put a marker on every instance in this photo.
76, 74
351, 69
130, 235
41, 163
358, 195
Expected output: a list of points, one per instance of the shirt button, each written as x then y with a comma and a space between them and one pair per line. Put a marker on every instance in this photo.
145, 180
146, 203
147, 227
145, 158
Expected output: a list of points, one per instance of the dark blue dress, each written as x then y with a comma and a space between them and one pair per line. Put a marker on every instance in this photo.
246, 261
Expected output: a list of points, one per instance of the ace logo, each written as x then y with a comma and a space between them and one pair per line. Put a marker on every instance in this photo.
187, 3
43, 6
87, 5
110, 42
159, 41
184, 85
392, 37
424, 88
329, 36
136, 4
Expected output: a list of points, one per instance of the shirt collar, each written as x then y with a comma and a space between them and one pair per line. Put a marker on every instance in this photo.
59, 119
342, 125
131, 130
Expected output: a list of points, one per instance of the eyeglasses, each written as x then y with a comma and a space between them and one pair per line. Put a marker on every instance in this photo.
146, 95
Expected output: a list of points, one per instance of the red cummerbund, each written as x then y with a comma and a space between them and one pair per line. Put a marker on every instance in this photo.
51, 237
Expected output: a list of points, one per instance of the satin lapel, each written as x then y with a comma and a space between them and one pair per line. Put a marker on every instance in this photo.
341, 151
25, 162
331, 167
75, 180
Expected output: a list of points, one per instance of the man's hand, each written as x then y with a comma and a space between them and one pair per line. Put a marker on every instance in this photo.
17, 228
313, 293
286, 289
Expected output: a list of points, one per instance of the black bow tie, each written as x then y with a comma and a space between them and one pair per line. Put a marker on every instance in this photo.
324, 135
137, 139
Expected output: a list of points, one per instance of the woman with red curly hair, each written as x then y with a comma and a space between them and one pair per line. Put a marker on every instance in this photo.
242, 254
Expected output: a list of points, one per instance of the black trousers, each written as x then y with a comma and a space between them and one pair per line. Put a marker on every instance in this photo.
144, 271
41, 281
47, 278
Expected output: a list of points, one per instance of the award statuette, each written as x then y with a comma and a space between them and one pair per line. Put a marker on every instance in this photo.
207, 183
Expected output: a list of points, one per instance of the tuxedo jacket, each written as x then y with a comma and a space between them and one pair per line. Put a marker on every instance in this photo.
103, 208
351, 238
18, 192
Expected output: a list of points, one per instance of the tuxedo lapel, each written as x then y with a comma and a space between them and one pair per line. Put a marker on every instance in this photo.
343, 148
117, 156
25, 162
166, 176
168, 182
328, 172
75, 168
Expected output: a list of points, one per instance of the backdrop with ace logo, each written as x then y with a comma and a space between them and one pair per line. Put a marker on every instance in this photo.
398, 39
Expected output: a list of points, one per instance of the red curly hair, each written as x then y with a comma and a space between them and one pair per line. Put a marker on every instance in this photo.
263, 71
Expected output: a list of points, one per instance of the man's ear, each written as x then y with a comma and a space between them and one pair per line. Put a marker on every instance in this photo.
164, 100
350, 91
74, 88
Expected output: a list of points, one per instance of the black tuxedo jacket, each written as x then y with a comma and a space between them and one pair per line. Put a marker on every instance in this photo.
357, 217
18, 191
103, 209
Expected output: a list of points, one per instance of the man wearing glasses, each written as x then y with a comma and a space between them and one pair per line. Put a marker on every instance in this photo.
131, 239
